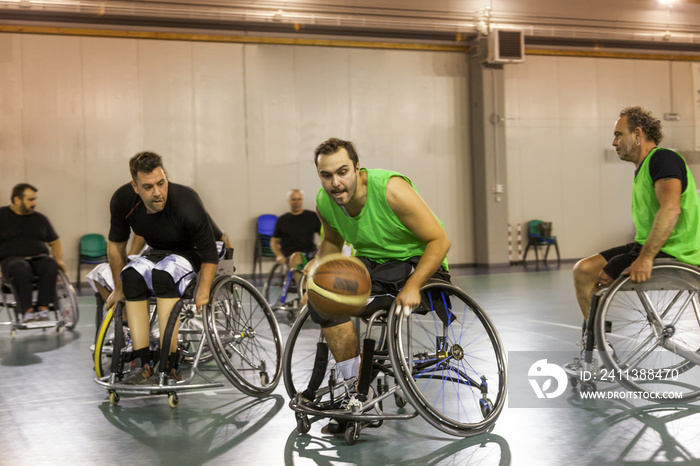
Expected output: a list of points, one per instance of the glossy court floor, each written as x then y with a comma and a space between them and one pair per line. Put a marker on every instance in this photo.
52, 412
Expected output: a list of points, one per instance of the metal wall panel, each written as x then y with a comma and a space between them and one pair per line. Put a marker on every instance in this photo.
12, 162
53, 132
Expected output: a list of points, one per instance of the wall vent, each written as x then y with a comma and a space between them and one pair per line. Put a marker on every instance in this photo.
506, 46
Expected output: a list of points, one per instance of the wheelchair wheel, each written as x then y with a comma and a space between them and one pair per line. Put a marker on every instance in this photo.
300, 354
104, 342
653, 329
274, 285
104, 345
450, 361
66, 302
243, 336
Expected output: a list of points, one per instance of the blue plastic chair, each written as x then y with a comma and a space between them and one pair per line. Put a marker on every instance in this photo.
265, 226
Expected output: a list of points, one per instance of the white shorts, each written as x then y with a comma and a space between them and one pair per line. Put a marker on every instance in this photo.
102, 274
176, 266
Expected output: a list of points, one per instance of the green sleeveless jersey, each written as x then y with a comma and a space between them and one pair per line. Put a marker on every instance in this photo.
684, 241
376, 233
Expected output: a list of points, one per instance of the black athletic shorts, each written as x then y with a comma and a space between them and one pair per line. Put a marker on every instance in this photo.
621, 257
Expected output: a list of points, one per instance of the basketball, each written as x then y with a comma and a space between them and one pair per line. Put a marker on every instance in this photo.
338, 286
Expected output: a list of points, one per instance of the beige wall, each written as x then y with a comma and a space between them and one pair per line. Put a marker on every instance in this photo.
236, 122
560, 114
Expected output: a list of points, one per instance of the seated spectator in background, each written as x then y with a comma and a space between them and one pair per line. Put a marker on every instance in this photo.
24, 234
293, 238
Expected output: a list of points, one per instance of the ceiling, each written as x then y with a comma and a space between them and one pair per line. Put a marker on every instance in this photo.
595, 24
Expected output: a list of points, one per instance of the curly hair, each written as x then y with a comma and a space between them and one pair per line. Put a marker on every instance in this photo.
638, 117
333, 145
144, 162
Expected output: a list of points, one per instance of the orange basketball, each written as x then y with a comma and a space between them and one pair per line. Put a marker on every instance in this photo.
339, 286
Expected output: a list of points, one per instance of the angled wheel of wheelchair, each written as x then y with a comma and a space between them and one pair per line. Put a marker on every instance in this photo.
274, 285
653, 329
244, 336
66, 302
103, 352
303, 349
451, 361
104, 345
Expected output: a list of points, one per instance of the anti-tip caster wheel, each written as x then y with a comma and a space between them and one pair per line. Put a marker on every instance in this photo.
113, 398
587, 387
573, 381
486, 406
352, 432
172, 399
399, 400
303, 424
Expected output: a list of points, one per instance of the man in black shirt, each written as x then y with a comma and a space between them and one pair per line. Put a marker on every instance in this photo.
24, 234
178, 230
293, 237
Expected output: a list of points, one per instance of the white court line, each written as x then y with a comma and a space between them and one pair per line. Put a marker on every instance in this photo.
555, 324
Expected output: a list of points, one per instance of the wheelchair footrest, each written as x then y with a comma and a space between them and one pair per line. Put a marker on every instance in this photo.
344, 414
38, 324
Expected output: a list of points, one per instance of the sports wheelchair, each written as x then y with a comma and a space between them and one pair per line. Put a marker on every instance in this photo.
65, 310
647, 335
237, 330
281, 291
445, 360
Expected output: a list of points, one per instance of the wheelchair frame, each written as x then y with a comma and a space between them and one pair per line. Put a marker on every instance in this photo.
447, 353
66, 313
237, 320
284, 282
639, 321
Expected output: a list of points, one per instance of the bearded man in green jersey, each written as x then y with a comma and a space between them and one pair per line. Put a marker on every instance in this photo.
393, 232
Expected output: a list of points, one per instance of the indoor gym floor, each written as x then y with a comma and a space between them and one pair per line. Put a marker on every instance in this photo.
52, 412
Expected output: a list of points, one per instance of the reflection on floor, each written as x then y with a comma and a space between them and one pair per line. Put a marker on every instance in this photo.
51, 411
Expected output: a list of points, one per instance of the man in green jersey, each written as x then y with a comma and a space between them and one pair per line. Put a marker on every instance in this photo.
665, 209
392, 230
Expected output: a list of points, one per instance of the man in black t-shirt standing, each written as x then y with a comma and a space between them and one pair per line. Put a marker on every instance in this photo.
24, 235
179, 233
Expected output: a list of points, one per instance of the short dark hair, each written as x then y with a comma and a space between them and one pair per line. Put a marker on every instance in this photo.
333, 145
144, 162
18, 191
638, 117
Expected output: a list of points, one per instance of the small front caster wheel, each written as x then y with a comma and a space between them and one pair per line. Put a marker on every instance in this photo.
352, 433
172, 399
113, 398
303, 424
